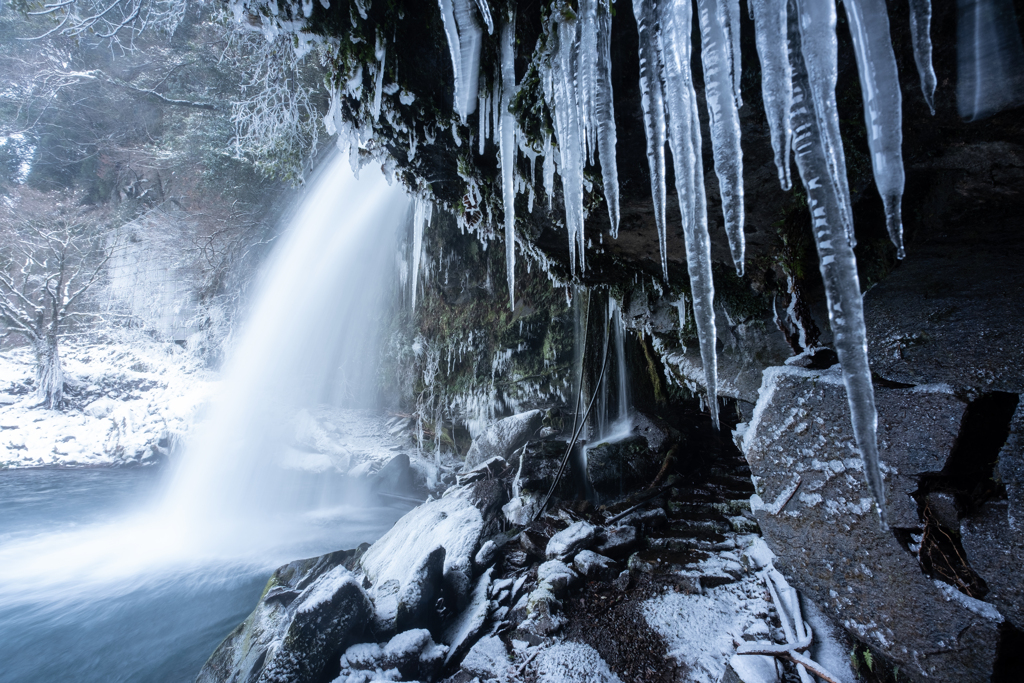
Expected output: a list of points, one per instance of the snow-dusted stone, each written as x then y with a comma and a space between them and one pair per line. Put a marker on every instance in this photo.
751, 669
566, 543
650, 519
503, 437
487, 659
469, 624
557, 575
995, 553
419, 593
593, 566
488, 469
413, 653
617, 541
101, 407
813, 506
311, 611
486, 555
568, 662
453, 522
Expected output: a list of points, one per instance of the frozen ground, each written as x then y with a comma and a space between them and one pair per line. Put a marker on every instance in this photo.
127, 403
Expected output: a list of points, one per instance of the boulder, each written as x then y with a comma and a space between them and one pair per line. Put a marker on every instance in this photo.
593, 566
469, 624
566, 543
488, 659
818, 517
395, 477
413, 653
997, 555
418, 595
618, 468
310, 611
1011, 471
503, 437
616, 541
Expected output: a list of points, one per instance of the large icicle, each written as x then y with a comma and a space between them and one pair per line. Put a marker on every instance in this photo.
685, 139
729, 16
485, 12
883, 112
776, 80
423, 210
451, 31
507, 149
652, 101
604, 112
817, 21
720, 97
467, 47
838, 268
562, 99
921, 36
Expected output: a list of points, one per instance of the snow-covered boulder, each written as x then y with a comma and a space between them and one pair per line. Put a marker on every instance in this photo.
503, 437
593, 566
413, 653
312, 609
566, 543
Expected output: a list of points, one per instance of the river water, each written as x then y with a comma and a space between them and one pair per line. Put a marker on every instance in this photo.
85, 597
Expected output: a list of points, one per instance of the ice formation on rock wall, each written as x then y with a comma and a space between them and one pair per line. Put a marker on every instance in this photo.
507, 147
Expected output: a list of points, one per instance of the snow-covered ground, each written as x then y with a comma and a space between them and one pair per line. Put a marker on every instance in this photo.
127, 403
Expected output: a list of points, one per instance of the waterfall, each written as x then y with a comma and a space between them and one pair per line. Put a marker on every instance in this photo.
311, 338
614, 421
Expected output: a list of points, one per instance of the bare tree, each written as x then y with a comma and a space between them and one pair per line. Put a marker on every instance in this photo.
52, 252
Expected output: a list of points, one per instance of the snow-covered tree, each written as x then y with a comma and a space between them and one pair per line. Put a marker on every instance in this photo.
52, 253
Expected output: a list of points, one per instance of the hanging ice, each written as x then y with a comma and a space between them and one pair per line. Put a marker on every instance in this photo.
729, 16
838, 266
883, 114
817, 21
652, 101
685, 140
562, 97
507, 145
423, 210
990, 58
464, 40
380, 52
921, 36
485, 12
723, 115
776, 79
604, 112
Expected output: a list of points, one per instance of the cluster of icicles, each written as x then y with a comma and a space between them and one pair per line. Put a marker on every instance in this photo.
796, 44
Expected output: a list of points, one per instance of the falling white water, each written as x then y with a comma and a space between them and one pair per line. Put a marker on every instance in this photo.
311, 339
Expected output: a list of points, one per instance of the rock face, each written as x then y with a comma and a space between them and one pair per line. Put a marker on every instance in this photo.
817, 515
997, 554
311, 610
616, 469
503, 437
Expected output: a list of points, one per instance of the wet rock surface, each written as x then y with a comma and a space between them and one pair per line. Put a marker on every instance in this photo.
504, 437
815, 512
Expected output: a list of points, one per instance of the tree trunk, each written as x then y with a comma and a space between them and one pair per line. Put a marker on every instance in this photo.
49, 374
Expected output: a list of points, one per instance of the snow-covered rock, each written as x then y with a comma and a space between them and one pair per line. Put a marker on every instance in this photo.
487, 659
591, 565
503, 437
566, 543
569, 662
413, 653
463, 632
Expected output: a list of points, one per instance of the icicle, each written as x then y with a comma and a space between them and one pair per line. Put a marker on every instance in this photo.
990, 58
568, 130
817, 20
548, 170
380, 52
482, 110
422, 213
921, 36
652, 101
685, 141
605, 114
729, 14
470, 40
507, 143
724, 119
776, 79
883, 114
838, 267
454, 46
587, 74
485, 12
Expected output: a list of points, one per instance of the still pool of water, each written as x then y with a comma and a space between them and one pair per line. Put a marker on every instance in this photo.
94, 587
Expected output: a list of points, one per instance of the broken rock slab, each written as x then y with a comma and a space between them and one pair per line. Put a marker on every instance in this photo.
817, 516
503, 438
